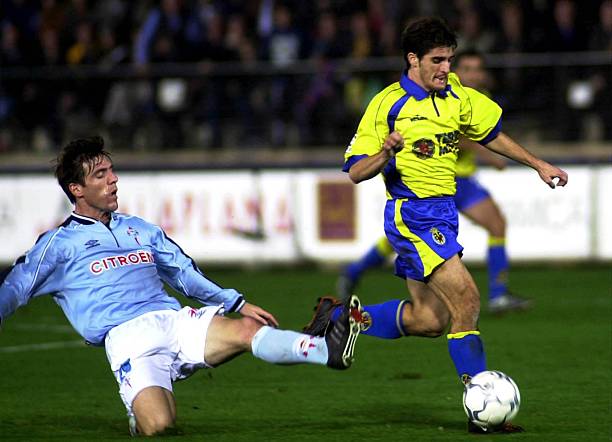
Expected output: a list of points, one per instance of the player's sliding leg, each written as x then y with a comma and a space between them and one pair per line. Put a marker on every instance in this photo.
335, 349
425, 315
227, 338
352, 273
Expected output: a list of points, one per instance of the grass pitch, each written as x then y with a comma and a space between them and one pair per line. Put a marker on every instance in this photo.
559, 353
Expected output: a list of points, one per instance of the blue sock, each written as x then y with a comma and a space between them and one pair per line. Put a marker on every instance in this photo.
288, 347
373, 258
467, 353
385, 320
497, 262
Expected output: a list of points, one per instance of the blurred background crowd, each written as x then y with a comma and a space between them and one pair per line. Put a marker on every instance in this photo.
218, 74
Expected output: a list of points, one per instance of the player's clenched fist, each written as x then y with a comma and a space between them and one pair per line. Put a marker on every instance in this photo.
393, 143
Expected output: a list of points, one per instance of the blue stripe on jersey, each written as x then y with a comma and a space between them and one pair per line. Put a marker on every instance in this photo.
351, 162
393, 181
493, 134
394, 112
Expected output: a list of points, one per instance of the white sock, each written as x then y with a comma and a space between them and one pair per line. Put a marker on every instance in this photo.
288, 347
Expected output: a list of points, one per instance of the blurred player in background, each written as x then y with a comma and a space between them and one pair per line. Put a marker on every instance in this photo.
410, 133
471, 199
106, 270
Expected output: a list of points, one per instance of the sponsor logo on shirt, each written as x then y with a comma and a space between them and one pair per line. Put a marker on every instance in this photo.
112, 262
417, 118
91, 243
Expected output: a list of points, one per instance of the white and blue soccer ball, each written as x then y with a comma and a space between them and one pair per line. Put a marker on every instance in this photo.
490, 399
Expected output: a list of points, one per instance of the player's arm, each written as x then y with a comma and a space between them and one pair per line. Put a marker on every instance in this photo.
180, 271
370, 166
31, 275
483, 124
485, 155
506, 146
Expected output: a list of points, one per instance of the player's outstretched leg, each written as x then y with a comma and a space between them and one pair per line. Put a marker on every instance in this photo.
379, 320
334, 349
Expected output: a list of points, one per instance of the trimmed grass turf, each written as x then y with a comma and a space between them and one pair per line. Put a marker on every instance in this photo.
559, 353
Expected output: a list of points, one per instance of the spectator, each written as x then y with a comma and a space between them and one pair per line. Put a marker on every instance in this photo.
282, 45
601, 40
472, 33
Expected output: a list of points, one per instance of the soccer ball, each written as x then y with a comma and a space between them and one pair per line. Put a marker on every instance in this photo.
491, 399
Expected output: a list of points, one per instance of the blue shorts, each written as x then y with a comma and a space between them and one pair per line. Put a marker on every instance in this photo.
469, 192
423, 233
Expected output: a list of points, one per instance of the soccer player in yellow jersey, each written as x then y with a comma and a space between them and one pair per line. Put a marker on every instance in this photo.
471, 199
410, 133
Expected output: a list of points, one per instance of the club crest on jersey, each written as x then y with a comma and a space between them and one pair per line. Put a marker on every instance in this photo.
437, 236
133, 232
423, 148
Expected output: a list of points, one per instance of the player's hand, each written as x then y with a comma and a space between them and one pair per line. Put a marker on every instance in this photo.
393, 144
259, 314
550, 173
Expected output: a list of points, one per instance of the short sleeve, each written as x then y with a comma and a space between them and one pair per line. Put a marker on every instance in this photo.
480, 116
371, 132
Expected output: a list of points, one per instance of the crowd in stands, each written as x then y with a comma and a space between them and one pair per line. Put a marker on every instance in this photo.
312, 108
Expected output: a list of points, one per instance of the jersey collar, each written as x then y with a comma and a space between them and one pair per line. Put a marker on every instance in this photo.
85, 220
415, 90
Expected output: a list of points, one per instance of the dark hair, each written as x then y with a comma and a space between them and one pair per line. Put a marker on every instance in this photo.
466, 54
75, 159
425, 34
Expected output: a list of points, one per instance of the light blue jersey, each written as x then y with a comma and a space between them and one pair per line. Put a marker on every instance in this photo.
102, 276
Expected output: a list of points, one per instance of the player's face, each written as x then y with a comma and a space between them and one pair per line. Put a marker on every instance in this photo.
431, 71
98, 195
471, 72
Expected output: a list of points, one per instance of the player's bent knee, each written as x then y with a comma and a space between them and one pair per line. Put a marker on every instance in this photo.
156, 425
429, 325
246, 331
435, 327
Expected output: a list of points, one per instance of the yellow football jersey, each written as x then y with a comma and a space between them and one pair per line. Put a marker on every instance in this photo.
430, 124
466, 163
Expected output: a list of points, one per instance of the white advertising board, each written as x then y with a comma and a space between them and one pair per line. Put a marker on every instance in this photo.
246, 216
602, 228
541, 223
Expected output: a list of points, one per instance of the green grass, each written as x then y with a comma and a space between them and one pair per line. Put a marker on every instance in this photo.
559, 353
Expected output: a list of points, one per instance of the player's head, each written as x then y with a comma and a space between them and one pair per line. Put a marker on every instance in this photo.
84, 171
428, 45
469, 65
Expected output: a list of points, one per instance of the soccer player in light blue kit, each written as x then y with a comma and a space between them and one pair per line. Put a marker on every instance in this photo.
106, 271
